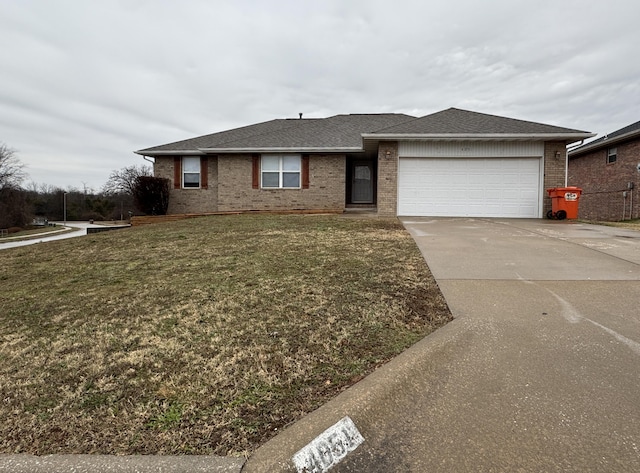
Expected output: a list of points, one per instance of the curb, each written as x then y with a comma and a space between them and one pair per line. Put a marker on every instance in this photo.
119, 464
365, 402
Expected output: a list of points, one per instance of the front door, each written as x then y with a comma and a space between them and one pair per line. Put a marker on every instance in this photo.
362, 182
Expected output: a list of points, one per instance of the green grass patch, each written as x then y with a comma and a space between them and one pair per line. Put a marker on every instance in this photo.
202, 336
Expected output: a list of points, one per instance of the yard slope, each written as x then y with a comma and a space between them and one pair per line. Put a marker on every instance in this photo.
202, 336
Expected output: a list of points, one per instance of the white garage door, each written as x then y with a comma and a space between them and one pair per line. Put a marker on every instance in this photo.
469, 187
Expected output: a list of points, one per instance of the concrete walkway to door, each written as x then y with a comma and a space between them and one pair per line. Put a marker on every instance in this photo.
540, 370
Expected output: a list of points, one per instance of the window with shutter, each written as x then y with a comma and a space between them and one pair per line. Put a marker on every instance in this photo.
281, 171
191, 172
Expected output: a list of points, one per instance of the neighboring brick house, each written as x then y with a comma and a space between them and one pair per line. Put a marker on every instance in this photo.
450, 163
608, 171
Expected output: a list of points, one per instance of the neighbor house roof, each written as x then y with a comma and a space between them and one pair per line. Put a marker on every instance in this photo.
455, 123
340, 133
606, 141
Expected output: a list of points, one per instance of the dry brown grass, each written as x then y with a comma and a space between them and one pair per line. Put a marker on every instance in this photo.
203, 336
628, 224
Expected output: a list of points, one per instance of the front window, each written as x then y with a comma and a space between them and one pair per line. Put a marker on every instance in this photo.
191, 172
612, 155
281, 171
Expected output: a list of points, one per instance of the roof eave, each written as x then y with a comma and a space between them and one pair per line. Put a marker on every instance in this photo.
205, 151
149, 152
606, 143
569, 137
308, 149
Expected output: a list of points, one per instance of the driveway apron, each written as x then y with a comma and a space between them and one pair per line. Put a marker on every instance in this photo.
539, 371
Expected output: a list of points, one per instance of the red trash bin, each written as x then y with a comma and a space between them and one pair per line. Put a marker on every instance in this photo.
564, 202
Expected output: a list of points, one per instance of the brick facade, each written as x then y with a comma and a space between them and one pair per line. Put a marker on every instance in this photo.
189, 200
387, 178
555, 161
604, 185
230, 187
230, 183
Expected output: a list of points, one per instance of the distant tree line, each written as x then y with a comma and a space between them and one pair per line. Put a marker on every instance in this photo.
131, 190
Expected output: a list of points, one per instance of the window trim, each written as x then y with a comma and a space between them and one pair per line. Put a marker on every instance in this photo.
612, 155
281, 171
183, 172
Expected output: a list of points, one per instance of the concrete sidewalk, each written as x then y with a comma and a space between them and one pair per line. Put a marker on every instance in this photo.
539, 372
72, 229
119, 464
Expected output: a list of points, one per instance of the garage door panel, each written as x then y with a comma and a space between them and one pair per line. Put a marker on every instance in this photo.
481, 187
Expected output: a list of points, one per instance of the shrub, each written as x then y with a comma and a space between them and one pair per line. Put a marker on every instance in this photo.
151, 195
14, 208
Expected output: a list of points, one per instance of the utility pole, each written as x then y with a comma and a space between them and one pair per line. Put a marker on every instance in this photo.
64, 206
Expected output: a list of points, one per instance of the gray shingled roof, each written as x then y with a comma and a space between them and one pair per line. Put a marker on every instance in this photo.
454, 121
346, 132
337, 132
218, 139
627, 132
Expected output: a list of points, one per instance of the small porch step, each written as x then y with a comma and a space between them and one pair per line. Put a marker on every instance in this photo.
361, 209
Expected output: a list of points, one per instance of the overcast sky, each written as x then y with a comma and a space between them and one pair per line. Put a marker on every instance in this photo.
85, 83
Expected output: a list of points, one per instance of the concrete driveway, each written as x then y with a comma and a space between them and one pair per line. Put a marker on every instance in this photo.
540, 370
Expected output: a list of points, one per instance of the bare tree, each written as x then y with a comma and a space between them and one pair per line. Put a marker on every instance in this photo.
123, 181
11, 168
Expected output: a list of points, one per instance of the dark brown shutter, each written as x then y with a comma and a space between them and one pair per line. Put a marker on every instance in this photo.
255, 175
305, 171
177, 172
204, 172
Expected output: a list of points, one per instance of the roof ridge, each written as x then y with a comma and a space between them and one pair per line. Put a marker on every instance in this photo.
411, 119
469, 121
501, 117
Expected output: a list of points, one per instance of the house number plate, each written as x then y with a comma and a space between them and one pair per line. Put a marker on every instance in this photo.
328, 448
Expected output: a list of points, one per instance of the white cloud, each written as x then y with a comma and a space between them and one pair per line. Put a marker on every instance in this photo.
83, 84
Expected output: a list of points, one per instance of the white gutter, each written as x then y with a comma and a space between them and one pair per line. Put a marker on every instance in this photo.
572, 146
161, 153
476, 137
282, 150
204, 151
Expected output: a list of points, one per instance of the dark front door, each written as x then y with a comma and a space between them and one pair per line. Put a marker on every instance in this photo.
362, 183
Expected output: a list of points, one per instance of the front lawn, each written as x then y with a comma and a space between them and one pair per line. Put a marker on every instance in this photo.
202, 336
